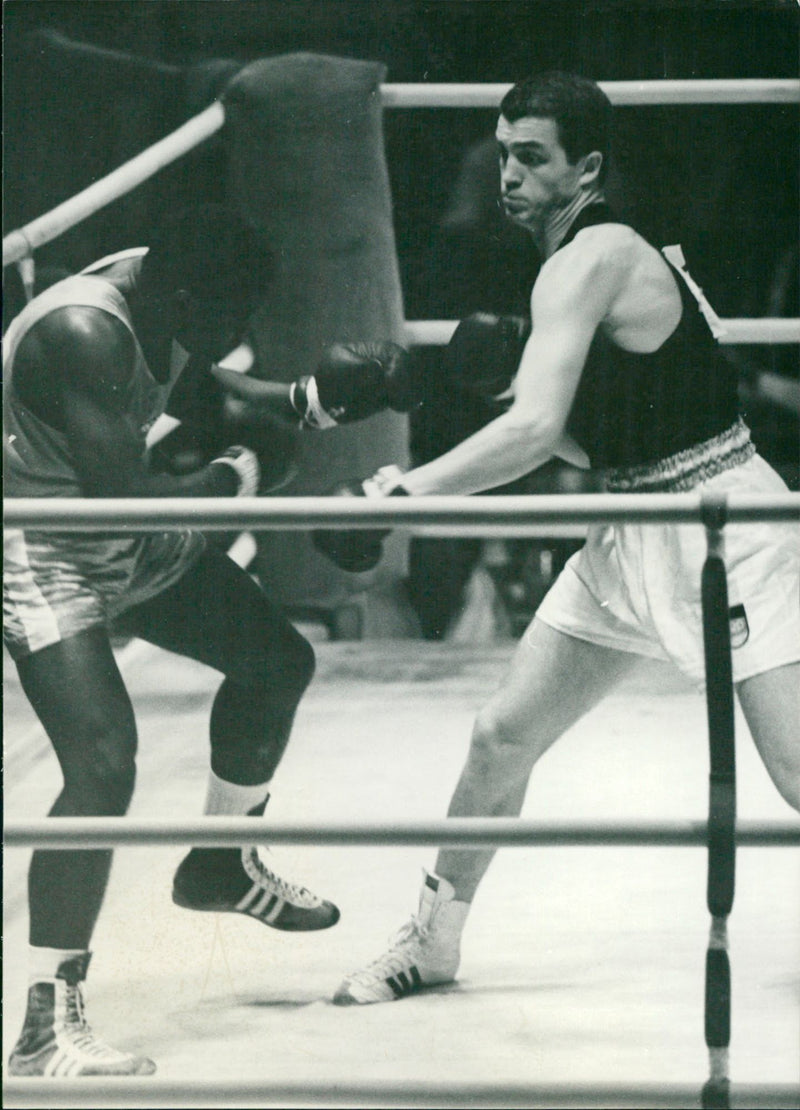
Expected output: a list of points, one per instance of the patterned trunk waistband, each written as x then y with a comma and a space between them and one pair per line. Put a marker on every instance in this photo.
686, 469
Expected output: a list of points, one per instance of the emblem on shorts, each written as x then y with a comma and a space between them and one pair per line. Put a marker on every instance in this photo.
740, 629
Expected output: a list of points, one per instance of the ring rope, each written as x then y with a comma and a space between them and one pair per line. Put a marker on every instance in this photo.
462, 832
754, 90
736, 330
112, 1091
19, 243
153, 514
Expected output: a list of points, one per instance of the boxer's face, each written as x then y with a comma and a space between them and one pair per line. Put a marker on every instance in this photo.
536, 176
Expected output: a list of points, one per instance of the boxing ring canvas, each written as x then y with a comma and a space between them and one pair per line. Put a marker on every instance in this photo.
581, 979
580, 965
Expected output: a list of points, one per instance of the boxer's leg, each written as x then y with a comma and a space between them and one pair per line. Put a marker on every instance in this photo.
218, 615
77, 693
553, 681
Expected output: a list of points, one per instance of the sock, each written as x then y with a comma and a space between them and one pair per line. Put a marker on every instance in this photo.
228, 799
43, 963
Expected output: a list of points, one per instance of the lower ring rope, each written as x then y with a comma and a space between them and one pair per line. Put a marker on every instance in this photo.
138, 1093
464, 832
153, 514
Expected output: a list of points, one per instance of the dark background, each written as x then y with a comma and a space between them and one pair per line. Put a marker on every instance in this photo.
722, 179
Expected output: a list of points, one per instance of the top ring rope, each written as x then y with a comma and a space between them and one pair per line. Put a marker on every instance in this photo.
20, 243
621, 93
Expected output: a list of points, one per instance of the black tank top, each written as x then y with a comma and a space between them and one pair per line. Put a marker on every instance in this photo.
631, 409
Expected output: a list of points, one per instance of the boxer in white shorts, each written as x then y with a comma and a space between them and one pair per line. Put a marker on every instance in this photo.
620, 373
636, 587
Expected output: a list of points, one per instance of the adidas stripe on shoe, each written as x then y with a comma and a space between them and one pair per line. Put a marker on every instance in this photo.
236, 880
424, 953
56, 1040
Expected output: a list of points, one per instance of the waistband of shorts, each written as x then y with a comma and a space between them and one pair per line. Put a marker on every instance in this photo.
686, 469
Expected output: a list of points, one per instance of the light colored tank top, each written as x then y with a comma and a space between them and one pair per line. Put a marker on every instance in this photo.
122, 569
37, 460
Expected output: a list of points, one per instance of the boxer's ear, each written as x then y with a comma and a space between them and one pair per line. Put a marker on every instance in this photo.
592, 164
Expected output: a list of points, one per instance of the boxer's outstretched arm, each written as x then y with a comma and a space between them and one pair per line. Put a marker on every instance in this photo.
351, 382
568, 302
274, 396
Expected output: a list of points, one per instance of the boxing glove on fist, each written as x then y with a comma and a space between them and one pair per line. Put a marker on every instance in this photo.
484, 353
353, 381
354, 550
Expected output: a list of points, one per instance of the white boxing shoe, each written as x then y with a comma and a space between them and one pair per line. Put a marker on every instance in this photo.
56, 1041
424, 953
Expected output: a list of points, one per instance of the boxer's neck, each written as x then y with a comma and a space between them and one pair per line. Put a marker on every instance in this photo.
560, 220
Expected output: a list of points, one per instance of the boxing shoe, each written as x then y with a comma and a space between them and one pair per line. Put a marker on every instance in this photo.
424, 953
236, 880
56, 1040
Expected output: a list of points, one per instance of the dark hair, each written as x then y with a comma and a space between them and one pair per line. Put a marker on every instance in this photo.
210, 251
579, 107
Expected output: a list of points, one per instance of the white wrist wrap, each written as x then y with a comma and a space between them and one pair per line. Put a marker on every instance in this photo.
315, 414
248, 471
383, 481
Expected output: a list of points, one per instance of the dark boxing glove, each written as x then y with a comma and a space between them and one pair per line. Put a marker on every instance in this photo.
355, 550
354, 381
484, 353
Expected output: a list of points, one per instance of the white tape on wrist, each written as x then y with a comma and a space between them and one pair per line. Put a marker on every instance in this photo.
383, 481
293, 400
316, 415
248, 470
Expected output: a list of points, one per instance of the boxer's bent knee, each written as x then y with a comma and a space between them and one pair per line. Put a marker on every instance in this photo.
497, 741
251, 722
99, 785
297, 663
281, 670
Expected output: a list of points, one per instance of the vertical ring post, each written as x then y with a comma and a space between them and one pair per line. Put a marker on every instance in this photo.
721, 804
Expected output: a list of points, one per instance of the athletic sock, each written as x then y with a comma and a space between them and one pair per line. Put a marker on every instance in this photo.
228, 799
43, 963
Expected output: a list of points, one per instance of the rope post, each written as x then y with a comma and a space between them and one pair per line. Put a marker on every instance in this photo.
722, 802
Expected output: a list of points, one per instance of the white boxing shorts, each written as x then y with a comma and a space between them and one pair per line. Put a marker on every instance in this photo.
636, 587
55, 586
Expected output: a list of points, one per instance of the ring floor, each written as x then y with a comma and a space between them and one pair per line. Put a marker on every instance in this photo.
579, 965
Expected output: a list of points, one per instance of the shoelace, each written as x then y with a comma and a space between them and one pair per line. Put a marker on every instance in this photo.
268, 880
73, 1007
79, 1032
396, 959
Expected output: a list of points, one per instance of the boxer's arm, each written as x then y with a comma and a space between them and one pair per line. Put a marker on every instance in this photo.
91, 358
351, 382
571, 297
274, 396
